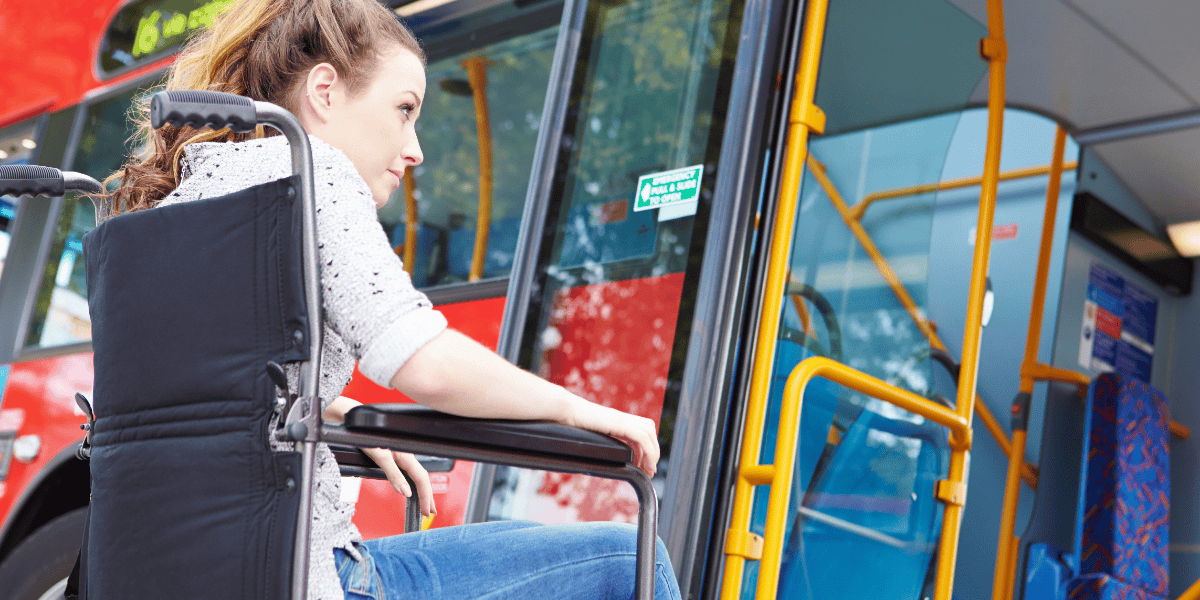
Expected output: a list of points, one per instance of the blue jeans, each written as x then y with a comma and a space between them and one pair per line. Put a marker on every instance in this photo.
502, 559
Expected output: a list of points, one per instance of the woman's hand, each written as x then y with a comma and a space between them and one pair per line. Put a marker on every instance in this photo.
637, 432
392, 463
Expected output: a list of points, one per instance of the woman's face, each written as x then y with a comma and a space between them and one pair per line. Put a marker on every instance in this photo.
374, 127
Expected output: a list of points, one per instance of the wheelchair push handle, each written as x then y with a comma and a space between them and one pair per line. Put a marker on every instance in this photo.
35, 180
199, 108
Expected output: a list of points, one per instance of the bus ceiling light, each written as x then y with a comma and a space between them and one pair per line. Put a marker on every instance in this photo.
3, 155
1185, 237
29, 144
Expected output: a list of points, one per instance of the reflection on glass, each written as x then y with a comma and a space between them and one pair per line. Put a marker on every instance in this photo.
60, 315
17, 145
610, 318
447, 184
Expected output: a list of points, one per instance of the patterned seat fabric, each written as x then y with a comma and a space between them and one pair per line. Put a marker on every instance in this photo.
1125, 494
1103, 587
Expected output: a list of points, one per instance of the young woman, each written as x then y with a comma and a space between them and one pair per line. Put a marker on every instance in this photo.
355, 78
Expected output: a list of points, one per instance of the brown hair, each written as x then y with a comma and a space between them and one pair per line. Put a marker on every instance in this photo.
262, 49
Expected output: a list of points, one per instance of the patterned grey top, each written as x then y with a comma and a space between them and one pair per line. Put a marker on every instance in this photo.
372, 312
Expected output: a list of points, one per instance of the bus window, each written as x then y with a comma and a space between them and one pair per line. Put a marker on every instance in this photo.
17, 145
446, 188
61, 314
611, 314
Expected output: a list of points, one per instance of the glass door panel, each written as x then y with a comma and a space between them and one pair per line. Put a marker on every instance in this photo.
610, 314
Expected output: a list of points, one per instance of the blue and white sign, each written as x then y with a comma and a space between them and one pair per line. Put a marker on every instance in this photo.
1118, 326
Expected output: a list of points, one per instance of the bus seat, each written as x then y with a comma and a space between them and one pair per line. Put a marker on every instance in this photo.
1121, 531
502, 239
870, 509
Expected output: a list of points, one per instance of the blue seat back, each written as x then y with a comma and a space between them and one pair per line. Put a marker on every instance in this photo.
1125, 490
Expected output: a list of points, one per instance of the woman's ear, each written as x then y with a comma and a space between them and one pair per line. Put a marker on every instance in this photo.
320, 91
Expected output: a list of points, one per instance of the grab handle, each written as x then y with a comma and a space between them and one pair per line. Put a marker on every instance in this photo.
199, 108
36, 180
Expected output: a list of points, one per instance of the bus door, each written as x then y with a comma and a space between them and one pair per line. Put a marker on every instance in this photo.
863, 520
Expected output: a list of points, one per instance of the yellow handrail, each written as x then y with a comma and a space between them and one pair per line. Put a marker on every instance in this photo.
1192, 593
477, 75
779, 474
925, 325
804, 116
858, 210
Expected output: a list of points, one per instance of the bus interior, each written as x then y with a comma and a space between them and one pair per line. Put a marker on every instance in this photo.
546, 126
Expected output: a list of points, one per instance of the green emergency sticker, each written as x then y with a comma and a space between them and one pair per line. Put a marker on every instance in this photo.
657, 190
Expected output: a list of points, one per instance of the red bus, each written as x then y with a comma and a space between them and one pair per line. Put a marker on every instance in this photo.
605, 200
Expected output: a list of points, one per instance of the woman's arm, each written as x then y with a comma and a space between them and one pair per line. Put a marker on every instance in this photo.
454, 374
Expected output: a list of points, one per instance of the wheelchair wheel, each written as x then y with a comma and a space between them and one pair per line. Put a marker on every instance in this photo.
43, 560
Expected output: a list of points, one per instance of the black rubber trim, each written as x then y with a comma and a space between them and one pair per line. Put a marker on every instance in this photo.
1020, 411
349, 458
418, 422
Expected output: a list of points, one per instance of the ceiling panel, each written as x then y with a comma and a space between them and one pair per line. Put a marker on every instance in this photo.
1163, 32
1163, 171
1061, 64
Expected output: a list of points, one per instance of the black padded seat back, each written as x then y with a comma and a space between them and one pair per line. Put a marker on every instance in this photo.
188, 303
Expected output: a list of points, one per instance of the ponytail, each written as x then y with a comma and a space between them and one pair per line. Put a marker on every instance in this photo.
262, 49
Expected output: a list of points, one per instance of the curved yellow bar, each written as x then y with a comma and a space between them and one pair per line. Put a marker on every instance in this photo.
789, 436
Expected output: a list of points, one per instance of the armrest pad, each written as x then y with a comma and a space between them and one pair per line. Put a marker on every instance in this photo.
525, 437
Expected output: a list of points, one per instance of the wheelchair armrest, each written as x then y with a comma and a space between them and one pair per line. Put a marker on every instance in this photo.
523, 437
353, 462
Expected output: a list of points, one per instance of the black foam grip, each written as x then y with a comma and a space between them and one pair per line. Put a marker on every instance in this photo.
195, 108
16, 180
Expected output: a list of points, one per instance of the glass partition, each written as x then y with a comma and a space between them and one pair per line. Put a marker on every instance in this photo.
863, 521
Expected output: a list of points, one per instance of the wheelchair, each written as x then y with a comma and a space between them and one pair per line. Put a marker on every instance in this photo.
195, 307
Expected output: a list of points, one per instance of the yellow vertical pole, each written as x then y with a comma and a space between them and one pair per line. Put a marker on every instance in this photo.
477, 75
994, 49
1006, 546
411, 220
803, 118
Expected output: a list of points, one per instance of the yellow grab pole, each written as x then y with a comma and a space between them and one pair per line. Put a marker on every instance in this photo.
906, 300
411, 222
477, 75
994, 48
804, 116
1005, 550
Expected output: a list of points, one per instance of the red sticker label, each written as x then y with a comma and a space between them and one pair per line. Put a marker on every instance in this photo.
1108, 323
